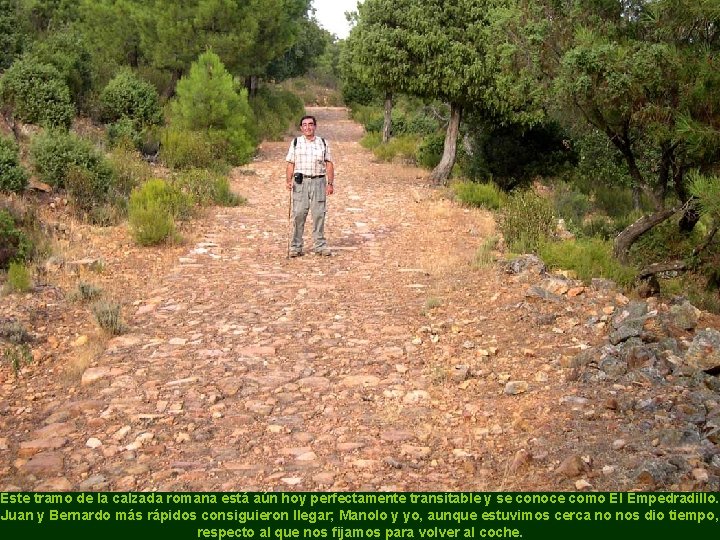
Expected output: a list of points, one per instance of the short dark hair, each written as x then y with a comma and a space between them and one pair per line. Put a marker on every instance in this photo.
308, 117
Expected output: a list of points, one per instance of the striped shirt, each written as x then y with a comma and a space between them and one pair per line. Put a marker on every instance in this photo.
309, 157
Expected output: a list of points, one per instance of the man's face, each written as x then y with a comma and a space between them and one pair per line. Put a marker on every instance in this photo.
308, 127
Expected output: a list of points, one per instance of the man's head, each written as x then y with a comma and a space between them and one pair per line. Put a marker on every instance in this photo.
307, 125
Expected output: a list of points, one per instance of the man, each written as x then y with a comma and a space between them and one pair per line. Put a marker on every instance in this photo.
310, 175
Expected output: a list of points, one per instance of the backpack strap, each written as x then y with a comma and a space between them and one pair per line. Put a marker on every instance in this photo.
295, 140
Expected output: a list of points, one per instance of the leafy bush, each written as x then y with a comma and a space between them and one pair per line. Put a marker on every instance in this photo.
36, 93
587, 258
152, 211
127, 96
54, 152
404, 147
68, 53
18, 277
184, 149
207, 102
479, 195
570, 204
526, 221
274, 109
207, 187
15, 245
124, 133
129, 169
430, 151
89, 189
371, 140
13, 176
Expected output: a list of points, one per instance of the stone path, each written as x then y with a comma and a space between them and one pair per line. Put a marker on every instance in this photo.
385, 367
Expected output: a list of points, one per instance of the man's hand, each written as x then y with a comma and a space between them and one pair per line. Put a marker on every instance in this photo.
288, 183
329, 189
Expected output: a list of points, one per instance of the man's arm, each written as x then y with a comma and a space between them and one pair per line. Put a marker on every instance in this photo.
289, 170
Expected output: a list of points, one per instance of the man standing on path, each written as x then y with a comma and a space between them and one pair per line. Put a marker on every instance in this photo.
310, 175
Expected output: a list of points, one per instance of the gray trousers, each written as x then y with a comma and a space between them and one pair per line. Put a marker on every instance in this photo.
310, 197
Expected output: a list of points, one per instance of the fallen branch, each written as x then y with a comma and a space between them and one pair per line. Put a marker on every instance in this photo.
659, 268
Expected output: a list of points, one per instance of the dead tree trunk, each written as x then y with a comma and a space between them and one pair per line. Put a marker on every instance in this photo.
441, 173
387, 121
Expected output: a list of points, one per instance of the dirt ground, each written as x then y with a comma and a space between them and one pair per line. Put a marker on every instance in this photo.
384, 367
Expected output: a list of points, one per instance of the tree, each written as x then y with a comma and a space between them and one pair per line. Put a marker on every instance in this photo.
13, 33
457, 52
311, 44
645, 75
207, 102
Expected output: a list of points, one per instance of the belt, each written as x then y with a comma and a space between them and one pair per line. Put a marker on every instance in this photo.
313, 176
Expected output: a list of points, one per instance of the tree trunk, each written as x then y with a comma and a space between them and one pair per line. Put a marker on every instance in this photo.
251, 85
441, 173
627, 237
387, 121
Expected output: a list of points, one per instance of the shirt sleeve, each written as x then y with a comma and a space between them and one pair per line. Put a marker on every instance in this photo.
328, 155
290, 158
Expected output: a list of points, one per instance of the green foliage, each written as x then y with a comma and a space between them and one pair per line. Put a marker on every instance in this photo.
54, 153
484, 255
403, 147
13, 176
274, 109
89, 188
371, 140
571, 204
479, 195
587, 258
129, 169
19, 277
153, 209
109, 317
15, 245
207, 102
526, 220
14, 332
127, 96
36, 93
430, 150
87, 291
13, 33
207, 188
17, 356
707, 190
183, 149
68, 53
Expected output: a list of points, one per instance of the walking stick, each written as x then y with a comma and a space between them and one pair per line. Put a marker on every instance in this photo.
289, 223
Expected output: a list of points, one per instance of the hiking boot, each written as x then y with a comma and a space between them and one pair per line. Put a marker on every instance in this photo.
323, 252
294, 254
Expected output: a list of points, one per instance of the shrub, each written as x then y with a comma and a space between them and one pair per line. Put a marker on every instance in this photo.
274, 109
18, 277
371, 140
183, 149
479, 195
13, 177
129, 169
124, 133
17, 355
526, 220
14, 243
587, 258
570, 204
207, 187
484, 255
37, 94
404, 146
152, 211
108, 317
127, 96
54, 152
208, 102
431, 150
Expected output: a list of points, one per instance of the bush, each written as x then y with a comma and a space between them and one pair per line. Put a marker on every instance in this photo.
89, 189
587, 258
183, 149
371, 140
108, 317
129, 169
479, 195
152, 211
526, 221
54, 152
430, 151
207, 102
13, 177
14, 243
124, 133
570, 204
18, 277
404, 146
275, 110
36, 93
127, 96
206, 188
